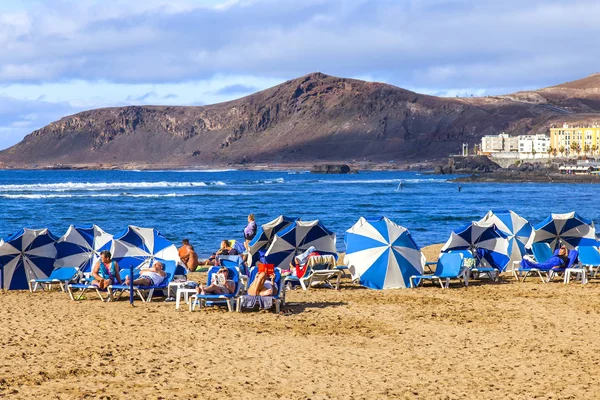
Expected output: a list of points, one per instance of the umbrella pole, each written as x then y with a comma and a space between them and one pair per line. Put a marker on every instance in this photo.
131, 284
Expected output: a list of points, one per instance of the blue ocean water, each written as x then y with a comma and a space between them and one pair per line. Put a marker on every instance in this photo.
208, 206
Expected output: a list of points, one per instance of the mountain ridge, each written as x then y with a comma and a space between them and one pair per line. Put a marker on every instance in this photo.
313, 118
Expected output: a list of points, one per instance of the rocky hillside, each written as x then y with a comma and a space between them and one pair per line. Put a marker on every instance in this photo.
309, 119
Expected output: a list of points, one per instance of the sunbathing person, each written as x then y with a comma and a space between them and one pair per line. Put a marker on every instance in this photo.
298, 265
221, 284
184, 250
223, 251
263, 285
152, 276
106, 271
561, 260
192, 262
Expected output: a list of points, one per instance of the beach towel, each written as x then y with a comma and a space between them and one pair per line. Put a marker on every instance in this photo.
552, 262
264, 302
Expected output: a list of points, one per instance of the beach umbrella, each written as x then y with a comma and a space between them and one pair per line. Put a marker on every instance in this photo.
28, 254
80, 247
265, 234
484, 240
297, 238
570, 229
382, 254
136, 246
517, 229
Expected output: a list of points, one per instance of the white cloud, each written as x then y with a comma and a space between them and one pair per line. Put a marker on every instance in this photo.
91, 53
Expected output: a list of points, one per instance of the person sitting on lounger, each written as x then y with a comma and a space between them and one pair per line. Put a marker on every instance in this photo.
298, 266
192, 260
106, 271
223, 251
221, 284
152, 276
561, 260
263, 285
184, 250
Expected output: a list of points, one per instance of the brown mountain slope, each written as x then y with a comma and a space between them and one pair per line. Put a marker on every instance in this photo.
312, 118
580, 96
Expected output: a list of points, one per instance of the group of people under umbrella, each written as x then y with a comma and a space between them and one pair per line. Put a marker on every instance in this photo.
380, 253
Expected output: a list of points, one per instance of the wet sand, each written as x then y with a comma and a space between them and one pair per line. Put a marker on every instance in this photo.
487, 341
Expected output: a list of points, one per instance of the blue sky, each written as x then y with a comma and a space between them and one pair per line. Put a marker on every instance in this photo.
63, 56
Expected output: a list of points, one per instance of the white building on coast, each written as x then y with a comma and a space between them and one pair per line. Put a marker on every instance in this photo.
522, 147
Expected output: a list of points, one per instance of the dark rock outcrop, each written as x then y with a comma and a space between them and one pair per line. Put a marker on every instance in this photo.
467, 165
331, 169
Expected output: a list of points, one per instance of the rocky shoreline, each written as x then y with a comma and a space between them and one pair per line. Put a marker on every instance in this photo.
482, 169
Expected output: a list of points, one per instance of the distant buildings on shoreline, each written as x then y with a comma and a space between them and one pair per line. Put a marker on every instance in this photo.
565, 141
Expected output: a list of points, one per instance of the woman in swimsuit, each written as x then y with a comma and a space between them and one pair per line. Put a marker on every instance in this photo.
263, 286
223, 251
106, 271
220, 284
152, 276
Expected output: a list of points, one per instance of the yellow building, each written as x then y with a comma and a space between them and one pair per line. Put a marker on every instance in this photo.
567, 136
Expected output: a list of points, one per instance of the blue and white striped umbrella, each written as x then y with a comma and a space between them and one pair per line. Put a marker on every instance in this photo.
516, 228
297, 238
265, 234
80, 247
382, 254
570, 229
484, 240
136, 246
28, 254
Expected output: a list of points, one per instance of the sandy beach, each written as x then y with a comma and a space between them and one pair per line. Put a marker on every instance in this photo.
487, 341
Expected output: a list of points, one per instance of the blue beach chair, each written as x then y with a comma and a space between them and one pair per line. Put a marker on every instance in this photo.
449, 265
264, 302
589, 258
319, 270
84, 287
217, 299
548, 270
61, 276
236, 262
145, 293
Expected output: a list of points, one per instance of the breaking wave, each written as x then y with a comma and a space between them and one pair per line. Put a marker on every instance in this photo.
75, 186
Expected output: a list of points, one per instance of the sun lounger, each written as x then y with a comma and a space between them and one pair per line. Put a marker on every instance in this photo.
589, 260
84, 287
61, 276
236, 262
541, 253
320, 270
217, 299
449, 265
547, 272
145, 293
263, 302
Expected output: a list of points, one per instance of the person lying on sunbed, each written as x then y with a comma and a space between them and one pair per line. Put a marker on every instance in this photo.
223, 251
106, 271
221, 284
263, 285
152, 276
298, 266
561, 260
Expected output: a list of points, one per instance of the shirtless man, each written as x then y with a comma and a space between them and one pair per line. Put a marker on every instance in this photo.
152, 276
192, 262
184, 251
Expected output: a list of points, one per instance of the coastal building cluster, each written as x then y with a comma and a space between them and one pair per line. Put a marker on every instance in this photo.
518, 147
563, 141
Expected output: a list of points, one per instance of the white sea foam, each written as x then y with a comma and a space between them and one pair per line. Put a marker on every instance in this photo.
74, 186
377, 181
107, 195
